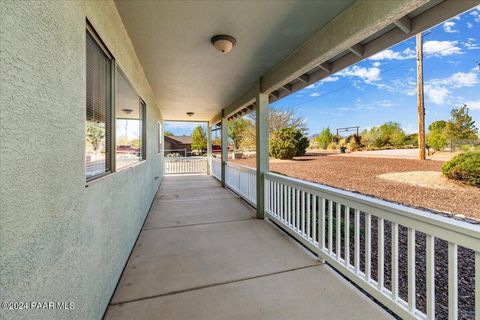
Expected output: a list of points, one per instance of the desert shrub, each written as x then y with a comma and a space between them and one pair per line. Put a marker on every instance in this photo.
287, 143
412, 139
332, 146
324, 138
464, 167
354, 142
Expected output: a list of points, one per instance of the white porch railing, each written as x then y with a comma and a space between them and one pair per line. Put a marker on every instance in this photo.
317, 216
217, 168
185, 165
243, 181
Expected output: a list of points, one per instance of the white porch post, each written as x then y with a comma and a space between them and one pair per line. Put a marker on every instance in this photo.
209, 148
224, 137
261, 125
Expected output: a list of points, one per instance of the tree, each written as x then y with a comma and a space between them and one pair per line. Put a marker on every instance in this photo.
392, 134
287, 143
238, 131
280, 118
437, 138
461, 125
199, 139
168, 133
95, 135
324, 138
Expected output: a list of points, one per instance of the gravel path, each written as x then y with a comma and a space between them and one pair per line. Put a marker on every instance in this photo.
360, 175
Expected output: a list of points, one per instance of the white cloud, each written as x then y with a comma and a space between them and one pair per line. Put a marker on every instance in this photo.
469, 25
437, 95
473, 104
366, 74
437, 90
376, 64
441, 48
394, 55
312, 86
315, 94
448, 27
471, 44
330, 79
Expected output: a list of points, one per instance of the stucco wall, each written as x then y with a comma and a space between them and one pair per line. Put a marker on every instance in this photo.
61, 240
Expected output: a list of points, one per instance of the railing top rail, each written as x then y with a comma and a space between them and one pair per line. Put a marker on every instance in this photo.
446, 223
241, 167
186, 158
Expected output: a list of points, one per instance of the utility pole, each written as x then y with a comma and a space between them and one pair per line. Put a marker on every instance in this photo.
420, 99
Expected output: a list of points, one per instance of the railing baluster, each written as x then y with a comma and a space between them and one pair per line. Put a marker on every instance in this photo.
368, 246
308, 216
411, 269
321, 230
394, 263
347, 236
330, 227
430, 277
297, 211
338, 225
288, 207
453, 282
357, 241
314, 217
294, 194
477, 285
380, 253
303, 213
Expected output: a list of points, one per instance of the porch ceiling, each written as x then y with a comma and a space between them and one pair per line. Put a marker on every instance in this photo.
172, 41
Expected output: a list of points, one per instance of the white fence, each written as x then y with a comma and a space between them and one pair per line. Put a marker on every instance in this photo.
217, 168
185, 165
341, 227
243, 181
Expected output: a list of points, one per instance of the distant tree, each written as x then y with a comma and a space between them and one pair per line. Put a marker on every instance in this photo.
287, 143
372, 138
135, 143
239, 131
199, 139
324, 138
279, 118
95, 135
168, 133
437, 138
392, 134
412, 139
461, 125
217, 141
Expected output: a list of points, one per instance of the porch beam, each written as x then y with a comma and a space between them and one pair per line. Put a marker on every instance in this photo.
224, 139
261, 126
362, 19
404, 24
326, 66
248, 97
357, 50
209, 148
304, 78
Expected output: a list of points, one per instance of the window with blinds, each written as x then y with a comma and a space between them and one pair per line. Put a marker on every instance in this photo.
98, 151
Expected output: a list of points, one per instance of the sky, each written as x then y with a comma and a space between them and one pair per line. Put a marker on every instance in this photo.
383, 87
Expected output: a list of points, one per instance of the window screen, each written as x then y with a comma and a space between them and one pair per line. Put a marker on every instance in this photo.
98, 116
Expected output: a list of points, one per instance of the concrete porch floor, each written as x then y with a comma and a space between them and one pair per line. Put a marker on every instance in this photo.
203, 255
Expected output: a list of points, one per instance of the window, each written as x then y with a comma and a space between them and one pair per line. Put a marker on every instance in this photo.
130, 123
98, 128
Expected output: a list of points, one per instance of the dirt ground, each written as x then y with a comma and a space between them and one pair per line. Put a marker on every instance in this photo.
361, 174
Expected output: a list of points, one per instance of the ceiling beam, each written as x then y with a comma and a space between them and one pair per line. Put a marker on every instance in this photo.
356, 23
404, 24
326, 66
287, 87
304, 78
357, 50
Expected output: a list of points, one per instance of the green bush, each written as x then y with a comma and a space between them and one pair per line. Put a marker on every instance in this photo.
287, 143
464, 167
324, 138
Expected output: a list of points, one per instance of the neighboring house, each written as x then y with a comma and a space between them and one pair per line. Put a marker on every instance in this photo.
180, 144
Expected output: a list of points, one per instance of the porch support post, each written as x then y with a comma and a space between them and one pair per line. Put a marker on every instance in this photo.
224, 145
261, 126
209, 148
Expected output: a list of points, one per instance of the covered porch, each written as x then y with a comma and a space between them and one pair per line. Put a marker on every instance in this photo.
202, 255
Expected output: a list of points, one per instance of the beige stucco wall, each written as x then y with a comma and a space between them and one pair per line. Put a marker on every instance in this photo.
60, 240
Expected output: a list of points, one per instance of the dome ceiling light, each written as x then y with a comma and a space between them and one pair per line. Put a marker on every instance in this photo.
223, 43
190, 114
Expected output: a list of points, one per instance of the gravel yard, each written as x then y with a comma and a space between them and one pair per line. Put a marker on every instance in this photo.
361, 174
